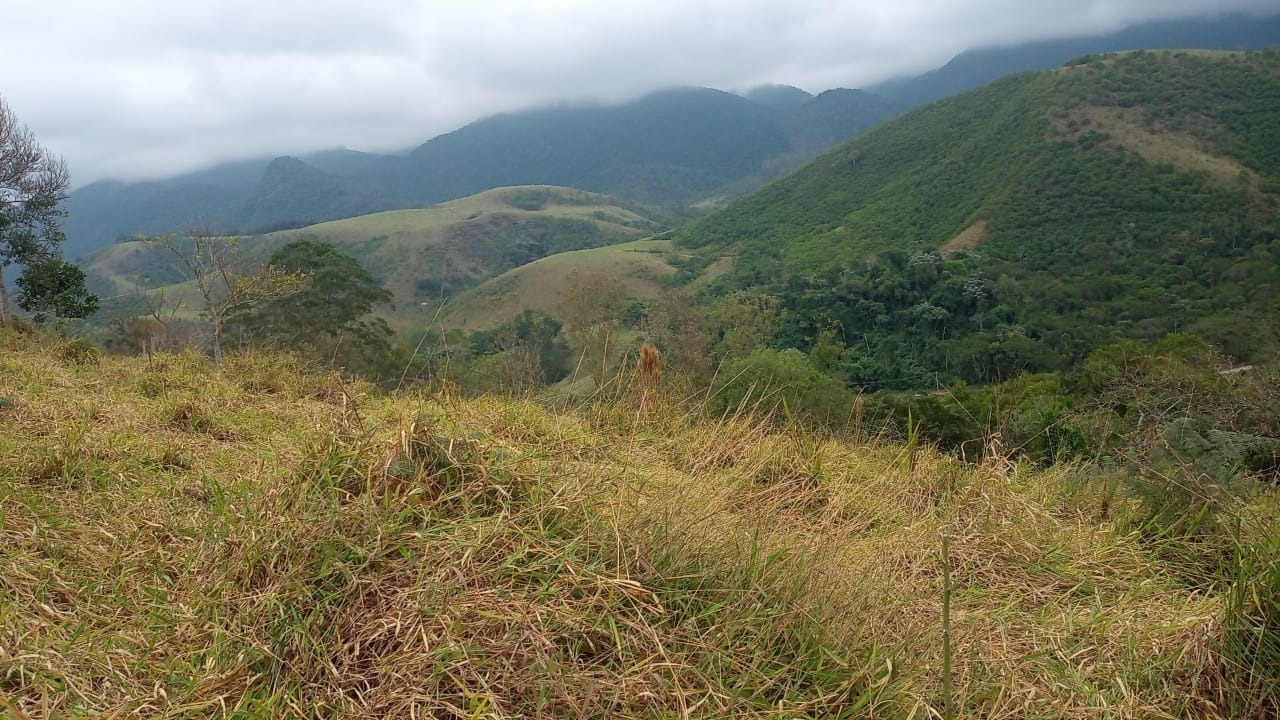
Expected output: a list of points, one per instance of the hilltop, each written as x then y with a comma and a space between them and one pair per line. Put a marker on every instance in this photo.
1021, 225
253, 540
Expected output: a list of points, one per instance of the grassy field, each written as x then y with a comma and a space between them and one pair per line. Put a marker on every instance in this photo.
459, 244
530, 198
253, 541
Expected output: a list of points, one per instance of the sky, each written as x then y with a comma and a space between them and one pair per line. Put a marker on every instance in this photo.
142, 89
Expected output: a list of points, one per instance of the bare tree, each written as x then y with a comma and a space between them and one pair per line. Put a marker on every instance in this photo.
153, 331
226, 283
32, 184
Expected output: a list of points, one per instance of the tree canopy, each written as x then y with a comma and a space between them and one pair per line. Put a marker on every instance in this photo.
329, 317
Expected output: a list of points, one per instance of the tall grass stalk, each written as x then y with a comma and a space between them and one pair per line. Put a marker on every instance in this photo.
948, 708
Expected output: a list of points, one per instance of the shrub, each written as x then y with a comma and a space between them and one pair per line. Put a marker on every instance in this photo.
78, 352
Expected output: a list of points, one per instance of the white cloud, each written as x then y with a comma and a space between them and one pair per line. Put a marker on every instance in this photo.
145, 88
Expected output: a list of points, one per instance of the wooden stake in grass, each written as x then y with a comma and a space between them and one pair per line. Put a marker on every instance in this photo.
857, 417
913, 445
948, 711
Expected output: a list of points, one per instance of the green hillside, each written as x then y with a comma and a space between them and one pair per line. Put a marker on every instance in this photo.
1020, 225
428, 255
424, 256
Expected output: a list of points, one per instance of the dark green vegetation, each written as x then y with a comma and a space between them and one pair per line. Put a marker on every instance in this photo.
1018, 227
329, 319
673, 148
974, 68
55, 288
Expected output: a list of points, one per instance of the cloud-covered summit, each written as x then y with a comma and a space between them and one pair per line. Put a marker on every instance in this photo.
147, 88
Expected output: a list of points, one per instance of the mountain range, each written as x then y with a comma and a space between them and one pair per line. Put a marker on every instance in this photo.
675, 148
672, 147
974, 68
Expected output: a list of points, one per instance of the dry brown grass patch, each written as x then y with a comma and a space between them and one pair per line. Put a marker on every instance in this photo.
968, 239
1156, 144
365, 556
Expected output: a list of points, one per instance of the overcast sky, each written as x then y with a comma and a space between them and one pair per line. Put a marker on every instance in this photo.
138, 89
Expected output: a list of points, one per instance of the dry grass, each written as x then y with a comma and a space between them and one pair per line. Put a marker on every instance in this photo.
1182, 150
251, 541
968, 239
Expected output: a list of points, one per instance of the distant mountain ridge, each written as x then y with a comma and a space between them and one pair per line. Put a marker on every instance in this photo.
672, 147
974, 68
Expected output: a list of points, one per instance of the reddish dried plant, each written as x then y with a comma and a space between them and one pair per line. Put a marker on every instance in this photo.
648, 369
649, 366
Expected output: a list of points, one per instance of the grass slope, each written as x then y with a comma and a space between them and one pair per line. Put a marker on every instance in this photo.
251, 541
1125, 195
428, 255
640, 269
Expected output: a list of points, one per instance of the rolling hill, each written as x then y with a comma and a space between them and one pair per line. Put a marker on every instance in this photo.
640, 269
422, 256
670, 148
1020, 225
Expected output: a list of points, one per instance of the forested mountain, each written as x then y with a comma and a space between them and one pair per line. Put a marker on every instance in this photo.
672, 147
1018, 226
974, 68
103, 211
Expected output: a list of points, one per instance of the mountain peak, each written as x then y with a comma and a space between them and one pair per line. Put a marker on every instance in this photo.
779, 97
